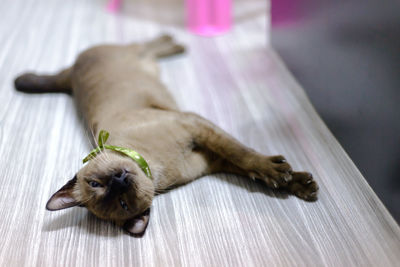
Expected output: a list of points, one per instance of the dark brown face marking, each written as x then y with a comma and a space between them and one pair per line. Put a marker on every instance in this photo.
119, 184
115, 187
112, 192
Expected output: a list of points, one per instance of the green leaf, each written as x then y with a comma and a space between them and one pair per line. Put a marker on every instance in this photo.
103, 136
92, 154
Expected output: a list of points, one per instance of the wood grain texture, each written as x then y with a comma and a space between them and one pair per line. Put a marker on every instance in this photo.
236, 81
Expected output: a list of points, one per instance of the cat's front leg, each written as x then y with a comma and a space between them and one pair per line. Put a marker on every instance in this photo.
237, 158
277, 174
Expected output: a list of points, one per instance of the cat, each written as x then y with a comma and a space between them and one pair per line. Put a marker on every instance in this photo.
117, 89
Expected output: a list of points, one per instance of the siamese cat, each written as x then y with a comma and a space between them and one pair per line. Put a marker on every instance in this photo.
117, 89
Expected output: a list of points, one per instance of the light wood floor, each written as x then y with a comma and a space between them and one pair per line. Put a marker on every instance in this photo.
236, 81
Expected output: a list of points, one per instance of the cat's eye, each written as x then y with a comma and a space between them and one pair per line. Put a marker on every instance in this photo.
123, 204
94, 184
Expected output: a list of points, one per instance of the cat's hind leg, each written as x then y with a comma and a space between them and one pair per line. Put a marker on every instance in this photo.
33, 83
162, 46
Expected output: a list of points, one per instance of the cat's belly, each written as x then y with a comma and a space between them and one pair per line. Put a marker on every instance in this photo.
103, 98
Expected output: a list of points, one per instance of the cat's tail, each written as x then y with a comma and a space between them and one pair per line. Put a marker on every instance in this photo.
163, 46
32, 83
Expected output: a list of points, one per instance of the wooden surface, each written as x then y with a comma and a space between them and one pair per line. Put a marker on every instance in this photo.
234, 80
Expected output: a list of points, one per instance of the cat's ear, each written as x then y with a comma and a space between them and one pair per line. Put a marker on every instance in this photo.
137, 225
63, 198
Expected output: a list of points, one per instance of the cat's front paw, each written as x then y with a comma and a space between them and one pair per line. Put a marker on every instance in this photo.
303, 186
274, 171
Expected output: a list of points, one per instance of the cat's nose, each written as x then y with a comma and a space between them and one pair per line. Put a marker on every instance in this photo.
121, 177
120, 182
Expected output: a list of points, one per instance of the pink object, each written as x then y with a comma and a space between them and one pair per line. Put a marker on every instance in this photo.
208, 17
113, 6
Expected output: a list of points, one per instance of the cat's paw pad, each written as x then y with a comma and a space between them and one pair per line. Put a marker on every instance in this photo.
303, 186
274, 171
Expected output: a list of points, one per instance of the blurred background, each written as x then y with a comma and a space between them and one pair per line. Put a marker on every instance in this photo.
346, 55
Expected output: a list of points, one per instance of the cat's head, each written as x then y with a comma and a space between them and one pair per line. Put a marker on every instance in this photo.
113, 187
